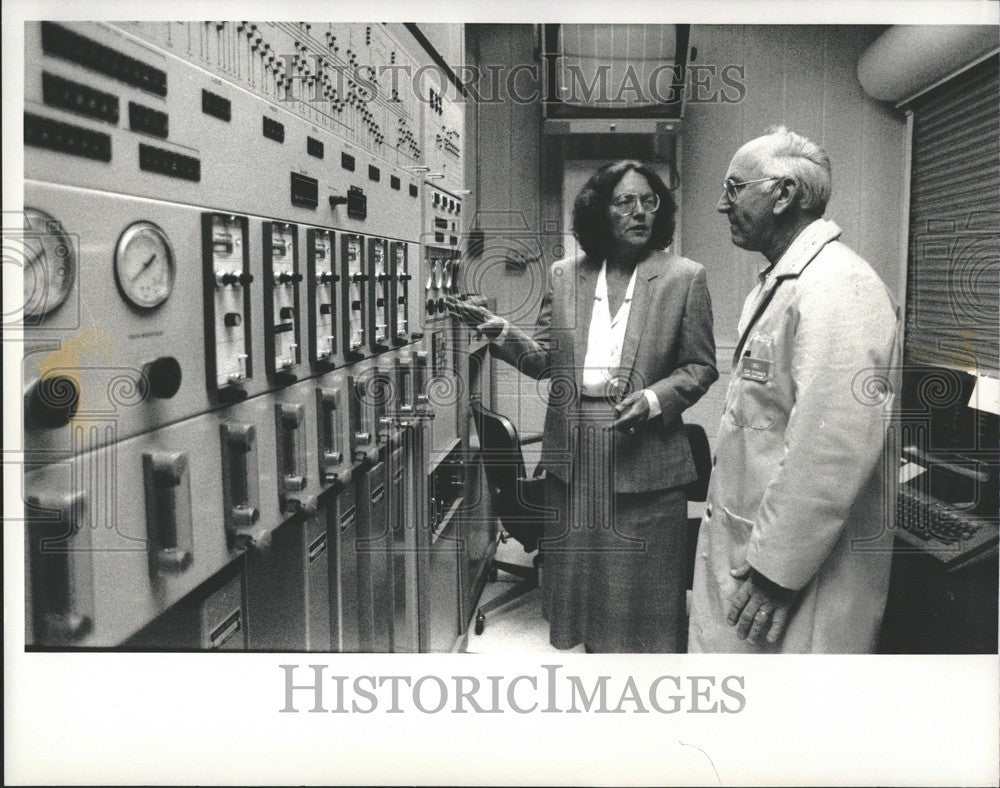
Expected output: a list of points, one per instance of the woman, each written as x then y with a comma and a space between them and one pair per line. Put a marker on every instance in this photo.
625, 334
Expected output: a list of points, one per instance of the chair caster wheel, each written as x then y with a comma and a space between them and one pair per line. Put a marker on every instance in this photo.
480, 623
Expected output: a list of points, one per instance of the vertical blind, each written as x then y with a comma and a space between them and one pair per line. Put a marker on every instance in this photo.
953, 275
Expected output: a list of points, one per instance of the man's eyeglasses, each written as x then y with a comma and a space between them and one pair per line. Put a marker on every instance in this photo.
626, 204
733, 186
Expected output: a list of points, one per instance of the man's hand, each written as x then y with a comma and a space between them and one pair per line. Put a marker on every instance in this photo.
479, 318
760, 607
632, 411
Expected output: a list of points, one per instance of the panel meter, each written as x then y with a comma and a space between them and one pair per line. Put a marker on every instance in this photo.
379, 293
227, 282
49, 267
354, 302
144, 265
399, 293
281, 299
321, 281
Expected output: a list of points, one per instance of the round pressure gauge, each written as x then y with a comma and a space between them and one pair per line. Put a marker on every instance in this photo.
49, 264
144, 265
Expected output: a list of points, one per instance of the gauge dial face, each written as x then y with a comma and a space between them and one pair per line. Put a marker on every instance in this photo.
144, 265
49, 264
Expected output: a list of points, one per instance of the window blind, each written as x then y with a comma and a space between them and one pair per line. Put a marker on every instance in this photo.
953, 275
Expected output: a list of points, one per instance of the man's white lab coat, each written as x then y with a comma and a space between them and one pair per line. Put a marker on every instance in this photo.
803, 483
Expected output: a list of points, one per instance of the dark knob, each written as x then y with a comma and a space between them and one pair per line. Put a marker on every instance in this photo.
335, 201
162, 378
232, 319
53, 401
326, 309
229, 279
244, 278
325, 278
286, 313
284, 278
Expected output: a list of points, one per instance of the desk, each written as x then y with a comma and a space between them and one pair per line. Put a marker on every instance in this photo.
930, 611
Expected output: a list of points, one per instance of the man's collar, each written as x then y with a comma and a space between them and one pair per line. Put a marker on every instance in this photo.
803, 249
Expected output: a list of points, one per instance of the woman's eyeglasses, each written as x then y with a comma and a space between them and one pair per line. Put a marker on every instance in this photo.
627, 204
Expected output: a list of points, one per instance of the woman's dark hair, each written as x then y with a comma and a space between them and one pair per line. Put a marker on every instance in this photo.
590, 210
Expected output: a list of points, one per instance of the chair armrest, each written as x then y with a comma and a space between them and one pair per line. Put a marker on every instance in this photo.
527, 440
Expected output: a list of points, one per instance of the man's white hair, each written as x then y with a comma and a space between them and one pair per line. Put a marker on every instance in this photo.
796, 156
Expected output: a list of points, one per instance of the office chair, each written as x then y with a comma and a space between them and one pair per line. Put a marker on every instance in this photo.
517, 500
697, 490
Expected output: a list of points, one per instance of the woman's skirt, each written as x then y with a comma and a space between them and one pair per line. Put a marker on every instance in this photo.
614, 563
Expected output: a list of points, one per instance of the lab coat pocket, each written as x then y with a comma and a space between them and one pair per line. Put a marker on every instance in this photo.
736, 532
752, 393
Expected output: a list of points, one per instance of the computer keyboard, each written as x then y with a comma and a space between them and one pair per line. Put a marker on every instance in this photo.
946, 532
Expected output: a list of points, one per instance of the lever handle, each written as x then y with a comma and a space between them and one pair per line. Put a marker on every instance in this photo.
168, 509
241, 483
61, 573
290, 428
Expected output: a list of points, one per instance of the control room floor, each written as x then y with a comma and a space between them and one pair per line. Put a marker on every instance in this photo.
518, 627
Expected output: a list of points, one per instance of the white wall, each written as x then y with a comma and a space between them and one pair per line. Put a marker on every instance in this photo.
803, 77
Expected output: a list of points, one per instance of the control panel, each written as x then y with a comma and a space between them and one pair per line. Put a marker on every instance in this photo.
442, 251
182, 428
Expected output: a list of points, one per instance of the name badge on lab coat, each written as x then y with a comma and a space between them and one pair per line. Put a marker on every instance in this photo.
756, 369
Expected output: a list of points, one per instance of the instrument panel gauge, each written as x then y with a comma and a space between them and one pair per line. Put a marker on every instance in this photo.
144, 265
49, 266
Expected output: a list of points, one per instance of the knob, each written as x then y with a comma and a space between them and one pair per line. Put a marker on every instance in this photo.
294, 483
53, 400
335, 201
244, 278
244, 516
228, 278
325, 278
162, 378
326, 309
286, 312
232, 319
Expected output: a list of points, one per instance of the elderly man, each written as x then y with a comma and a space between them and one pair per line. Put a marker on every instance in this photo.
794, 549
